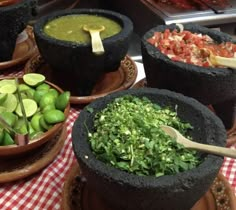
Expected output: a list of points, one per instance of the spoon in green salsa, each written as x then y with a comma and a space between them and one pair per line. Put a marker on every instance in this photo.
94, 30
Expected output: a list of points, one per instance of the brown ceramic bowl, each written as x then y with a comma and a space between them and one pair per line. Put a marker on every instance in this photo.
215, 86
75, 67
123, 190
14, 150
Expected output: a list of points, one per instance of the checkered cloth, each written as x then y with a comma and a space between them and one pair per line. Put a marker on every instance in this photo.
44, 189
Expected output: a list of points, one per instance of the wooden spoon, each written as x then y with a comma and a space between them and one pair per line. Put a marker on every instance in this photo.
198, 146
94, 30
219, 60
223, 61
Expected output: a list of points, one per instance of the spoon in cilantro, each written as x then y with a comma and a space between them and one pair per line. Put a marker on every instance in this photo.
198, 146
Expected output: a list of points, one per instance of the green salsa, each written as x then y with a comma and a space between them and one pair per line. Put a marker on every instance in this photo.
70, 27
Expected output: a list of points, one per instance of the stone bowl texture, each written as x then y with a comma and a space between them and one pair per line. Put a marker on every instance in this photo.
13, 20
122, 190
76, 67
215, 86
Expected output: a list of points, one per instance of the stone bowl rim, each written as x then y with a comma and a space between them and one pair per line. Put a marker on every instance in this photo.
126, 28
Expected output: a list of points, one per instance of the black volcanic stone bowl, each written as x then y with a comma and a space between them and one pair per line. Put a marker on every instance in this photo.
215, 86
122, 190
75, 66
13, 20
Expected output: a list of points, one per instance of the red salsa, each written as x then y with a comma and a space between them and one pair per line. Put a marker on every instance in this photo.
190, 47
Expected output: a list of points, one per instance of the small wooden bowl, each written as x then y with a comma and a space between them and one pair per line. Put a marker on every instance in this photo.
15, 150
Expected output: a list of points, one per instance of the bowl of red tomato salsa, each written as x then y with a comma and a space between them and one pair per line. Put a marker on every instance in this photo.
176, 57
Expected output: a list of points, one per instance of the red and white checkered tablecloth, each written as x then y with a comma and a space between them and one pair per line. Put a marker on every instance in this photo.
44, 189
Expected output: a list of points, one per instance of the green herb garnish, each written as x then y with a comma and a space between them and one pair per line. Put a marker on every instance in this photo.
127, 135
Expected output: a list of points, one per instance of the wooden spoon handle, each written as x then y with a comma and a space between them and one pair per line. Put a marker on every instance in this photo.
228, 62
227, 152
97, 46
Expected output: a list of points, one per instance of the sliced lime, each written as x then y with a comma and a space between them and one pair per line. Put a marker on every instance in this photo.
46, 99
38, 94
7, 81
30, 107
30, 93
9, 117
8, 88
43, 86
53, 116
19, 123
3, 109
36, 134
33, 79
10, 103
35, 122
23, 87
54, 92
44, 124
3, 97
62, 100
48, 107
22, 129
7, 139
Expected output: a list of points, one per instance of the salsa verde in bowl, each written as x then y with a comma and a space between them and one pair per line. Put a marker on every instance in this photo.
76, 67
190, 73
138, 189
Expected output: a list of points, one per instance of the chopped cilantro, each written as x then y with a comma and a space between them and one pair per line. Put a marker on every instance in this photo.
127, 135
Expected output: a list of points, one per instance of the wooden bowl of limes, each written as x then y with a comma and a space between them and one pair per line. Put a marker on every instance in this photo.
32, 111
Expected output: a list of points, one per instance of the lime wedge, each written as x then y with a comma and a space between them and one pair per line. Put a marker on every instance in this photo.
36, 135
30, 107
3, 109
7, 139
7, 81
23, 87
38, 94
53, 116
44, 124
43, 86
33, 79
3, 97
19, 123
9, 117
48, 98
8, 88
35, 122
62, 100
10, 103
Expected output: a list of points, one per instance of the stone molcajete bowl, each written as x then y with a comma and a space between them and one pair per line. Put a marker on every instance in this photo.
76, 67
126, 191
13, 20
215, 86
